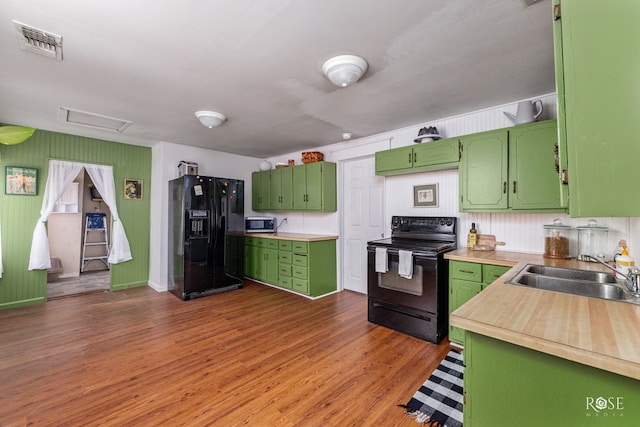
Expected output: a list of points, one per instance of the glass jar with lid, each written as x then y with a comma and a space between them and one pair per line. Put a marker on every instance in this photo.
592, 241
557, 239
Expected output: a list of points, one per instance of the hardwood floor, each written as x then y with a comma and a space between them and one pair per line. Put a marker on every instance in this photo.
256, 356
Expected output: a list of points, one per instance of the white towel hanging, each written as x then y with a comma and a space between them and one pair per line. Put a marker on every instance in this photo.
405, 264
382, 263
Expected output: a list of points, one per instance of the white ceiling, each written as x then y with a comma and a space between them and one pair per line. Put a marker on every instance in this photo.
259, 63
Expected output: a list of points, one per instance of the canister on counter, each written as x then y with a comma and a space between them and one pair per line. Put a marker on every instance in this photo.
592, 242
557, 239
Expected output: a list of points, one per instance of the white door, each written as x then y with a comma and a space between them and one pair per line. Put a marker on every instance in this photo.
363, 219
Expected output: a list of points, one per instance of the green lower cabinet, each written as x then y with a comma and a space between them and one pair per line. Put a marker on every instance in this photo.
460, 291
466, 280
508, 385
308, 268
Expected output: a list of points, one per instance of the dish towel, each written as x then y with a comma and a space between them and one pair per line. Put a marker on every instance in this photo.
382, 264
405, 264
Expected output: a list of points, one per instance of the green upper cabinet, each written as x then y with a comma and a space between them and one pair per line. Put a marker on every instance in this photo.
434, 155
510, 170
310, 187
483, 171
314, 187
598, 104
261, 187
281, 189
534, 181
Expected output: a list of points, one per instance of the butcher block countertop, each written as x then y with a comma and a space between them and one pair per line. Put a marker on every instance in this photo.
595, 332
292, 236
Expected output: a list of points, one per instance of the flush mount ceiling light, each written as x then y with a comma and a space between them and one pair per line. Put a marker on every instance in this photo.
344, 70
210, 119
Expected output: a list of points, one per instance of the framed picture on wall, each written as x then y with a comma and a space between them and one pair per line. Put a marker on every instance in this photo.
133, 189
20, 180
425, 196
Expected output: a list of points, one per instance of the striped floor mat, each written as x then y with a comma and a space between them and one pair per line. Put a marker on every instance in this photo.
438, 402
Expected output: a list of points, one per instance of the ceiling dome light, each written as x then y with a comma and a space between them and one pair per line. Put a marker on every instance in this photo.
344, 70
210, 119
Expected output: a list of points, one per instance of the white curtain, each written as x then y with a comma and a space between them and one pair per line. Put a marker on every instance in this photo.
60, 175
102, 177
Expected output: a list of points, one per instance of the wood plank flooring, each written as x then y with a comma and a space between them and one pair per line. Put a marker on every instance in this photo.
256, 356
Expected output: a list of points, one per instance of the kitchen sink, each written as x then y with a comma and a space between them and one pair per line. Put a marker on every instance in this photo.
592, 284
570, 273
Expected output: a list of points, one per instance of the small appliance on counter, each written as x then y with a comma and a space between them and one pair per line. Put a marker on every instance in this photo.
260, 224
592, 241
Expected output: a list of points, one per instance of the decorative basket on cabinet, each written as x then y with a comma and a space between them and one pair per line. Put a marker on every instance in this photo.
312, 156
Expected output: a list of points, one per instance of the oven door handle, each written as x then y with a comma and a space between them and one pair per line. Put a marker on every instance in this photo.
416, 254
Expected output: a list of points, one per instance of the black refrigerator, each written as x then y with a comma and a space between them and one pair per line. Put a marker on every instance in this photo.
206, 235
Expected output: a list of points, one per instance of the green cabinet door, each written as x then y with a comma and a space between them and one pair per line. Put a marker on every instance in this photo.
507, 385
434, 153
396, 159
300, 187
534, 183
511, 169
601, 93
314, 187
484, 171
281, 189
460, 291
267, 265
255, 191
261, 188
271, 265
562, 135
250, 257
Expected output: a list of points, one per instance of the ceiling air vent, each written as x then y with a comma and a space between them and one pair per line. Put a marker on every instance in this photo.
91, 120
37, 41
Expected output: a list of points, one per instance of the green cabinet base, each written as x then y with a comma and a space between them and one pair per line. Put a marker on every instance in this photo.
508, 385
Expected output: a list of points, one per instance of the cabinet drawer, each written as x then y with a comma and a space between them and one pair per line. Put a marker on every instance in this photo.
300, 247
272, 244
300, 286
285, 257
284, 269
285, 282
284, 245
300, 260
299, 272
466, 271
249, 241
490, 273
261, 243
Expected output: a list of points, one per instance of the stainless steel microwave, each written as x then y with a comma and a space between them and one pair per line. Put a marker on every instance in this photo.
260, 224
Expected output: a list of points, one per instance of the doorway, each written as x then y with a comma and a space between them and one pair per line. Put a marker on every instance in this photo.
72, 272
363, 219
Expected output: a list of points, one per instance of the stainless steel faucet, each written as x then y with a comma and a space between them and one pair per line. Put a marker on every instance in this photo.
632, 278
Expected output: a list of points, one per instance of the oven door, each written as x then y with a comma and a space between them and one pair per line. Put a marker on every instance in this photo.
420, 292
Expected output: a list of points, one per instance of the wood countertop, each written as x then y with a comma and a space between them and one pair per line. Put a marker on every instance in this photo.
595, 332
292, 236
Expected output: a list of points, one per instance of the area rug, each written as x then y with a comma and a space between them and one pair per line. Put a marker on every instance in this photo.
438, 402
